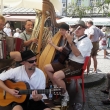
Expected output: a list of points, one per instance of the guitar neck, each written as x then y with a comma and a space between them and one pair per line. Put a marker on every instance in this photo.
39, 91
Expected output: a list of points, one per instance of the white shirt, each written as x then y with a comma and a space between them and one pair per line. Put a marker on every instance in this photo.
84, 46
95, 31
7, 31
36, 81
16, 34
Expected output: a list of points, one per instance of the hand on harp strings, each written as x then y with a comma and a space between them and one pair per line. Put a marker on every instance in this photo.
50, 41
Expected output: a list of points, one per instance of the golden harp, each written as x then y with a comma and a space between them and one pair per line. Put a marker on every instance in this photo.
47, 55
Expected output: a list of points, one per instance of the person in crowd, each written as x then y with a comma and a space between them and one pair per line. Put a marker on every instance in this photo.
29, 73
7, 30
103, 42
17, 33
2, 23
26, 34
94, 34
79, 51
107, 91
63, 28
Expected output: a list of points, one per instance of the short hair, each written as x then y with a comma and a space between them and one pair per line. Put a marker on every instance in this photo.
2, 18
64, 26
17, 29
27, 21
90, 22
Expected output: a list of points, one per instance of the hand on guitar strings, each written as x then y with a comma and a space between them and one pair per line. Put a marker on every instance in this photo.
36, 96
14, 93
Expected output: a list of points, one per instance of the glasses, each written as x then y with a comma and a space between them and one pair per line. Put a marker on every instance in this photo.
31, 61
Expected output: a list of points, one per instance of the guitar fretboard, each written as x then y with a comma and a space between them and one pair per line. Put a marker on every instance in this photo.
40, 91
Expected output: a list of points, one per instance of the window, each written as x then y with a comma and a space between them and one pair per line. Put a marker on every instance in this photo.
63, 12
78, 2
63, 1
91, 2
64, 5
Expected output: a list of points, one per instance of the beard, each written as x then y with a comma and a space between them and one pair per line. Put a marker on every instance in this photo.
32, 68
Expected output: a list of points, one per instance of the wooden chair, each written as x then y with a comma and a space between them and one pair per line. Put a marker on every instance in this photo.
81, 77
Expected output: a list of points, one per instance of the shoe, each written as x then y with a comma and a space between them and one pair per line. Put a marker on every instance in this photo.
65, 101
105, 91
106, 102
77, 106
65, 96
107, 53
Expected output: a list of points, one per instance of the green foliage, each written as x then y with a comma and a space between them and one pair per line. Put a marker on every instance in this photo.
102, 7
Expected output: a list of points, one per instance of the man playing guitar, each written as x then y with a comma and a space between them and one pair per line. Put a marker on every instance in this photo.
30, 74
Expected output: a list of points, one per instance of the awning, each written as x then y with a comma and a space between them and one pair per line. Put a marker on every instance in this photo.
36, 4
19, 18
97, 21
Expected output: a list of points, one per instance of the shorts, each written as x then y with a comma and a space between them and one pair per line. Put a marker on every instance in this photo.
95, 48
57, 66
31, 105
73, 68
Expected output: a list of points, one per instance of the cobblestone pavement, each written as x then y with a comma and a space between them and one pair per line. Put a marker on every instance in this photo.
93, 94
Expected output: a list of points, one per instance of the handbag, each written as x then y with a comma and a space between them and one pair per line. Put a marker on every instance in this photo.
103, 41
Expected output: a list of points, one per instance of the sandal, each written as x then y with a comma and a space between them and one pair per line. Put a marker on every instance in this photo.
106, 102
105, 91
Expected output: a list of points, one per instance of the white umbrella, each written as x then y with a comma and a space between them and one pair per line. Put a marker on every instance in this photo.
37, 4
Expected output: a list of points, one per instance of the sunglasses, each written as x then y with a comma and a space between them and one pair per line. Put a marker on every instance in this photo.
31, 61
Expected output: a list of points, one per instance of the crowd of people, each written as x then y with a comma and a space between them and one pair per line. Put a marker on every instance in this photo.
81, 41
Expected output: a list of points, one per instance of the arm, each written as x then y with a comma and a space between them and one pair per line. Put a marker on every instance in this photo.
42, 85
8, 75
3, 86
90, 36
90, 33
74, 49
28, 42
36, 96
55, 46
11, 91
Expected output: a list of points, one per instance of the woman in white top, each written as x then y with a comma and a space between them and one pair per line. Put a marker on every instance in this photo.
16, 34
103, 42
7, 30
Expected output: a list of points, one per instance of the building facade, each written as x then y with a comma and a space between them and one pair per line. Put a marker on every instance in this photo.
89, 3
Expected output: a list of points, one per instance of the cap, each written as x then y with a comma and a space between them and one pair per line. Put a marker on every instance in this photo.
64, 26
27, 54
80, 23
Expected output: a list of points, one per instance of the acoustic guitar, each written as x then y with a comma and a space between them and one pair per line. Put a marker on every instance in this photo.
64, 54
24, 91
